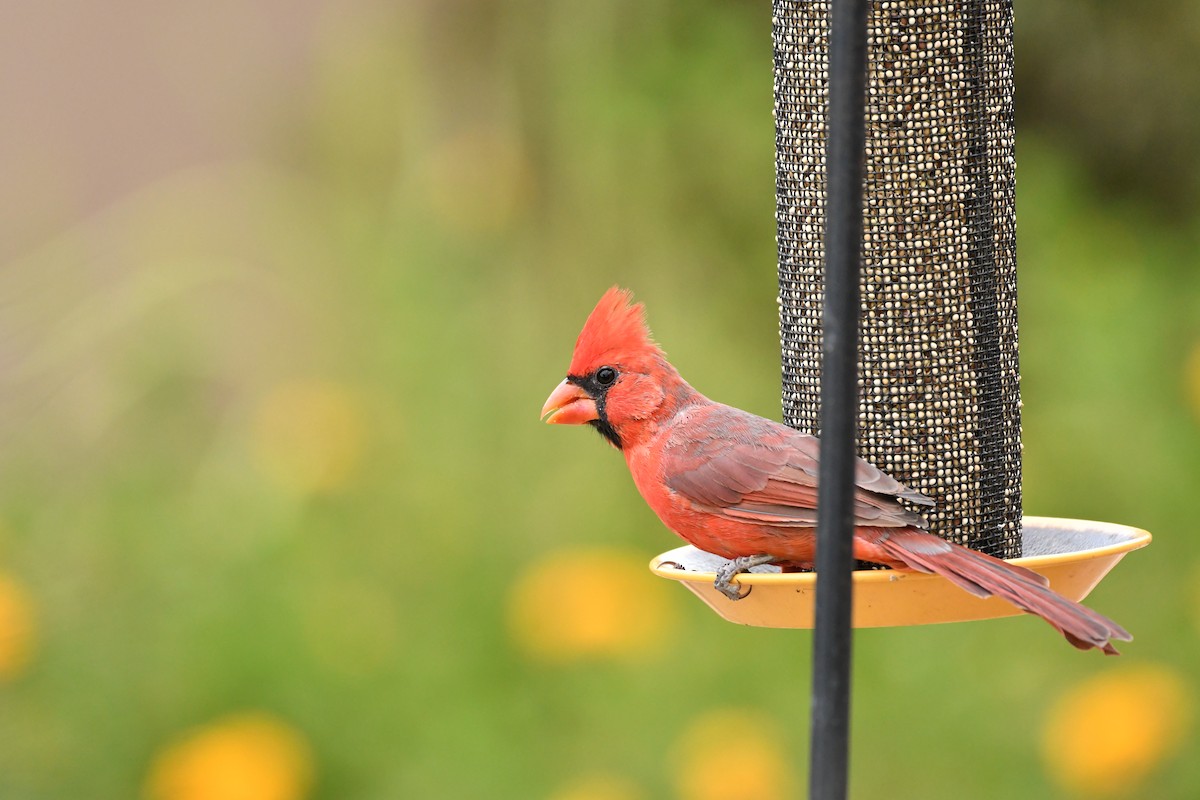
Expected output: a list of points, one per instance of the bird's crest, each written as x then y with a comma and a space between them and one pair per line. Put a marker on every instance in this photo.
615, 331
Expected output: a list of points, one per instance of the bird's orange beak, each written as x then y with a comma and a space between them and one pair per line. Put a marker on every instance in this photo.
569, 405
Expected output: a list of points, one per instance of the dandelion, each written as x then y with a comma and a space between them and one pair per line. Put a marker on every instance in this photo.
250, 756
589, 602
1107, 734
16, 628
732, 754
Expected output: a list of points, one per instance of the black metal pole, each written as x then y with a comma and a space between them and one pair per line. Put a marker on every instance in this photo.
830, 728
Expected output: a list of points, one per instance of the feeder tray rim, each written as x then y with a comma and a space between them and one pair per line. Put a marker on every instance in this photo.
890, 598
1136, 539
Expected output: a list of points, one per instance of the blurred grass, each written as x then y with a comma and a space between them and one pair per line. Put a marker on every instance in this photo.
445, 199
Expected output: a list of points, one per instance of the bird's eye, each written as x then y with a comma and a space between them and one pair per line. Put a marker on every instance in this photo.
605, 376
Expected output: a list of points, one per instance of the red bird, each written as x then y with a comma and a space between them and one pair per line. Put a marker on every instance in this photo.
745, 488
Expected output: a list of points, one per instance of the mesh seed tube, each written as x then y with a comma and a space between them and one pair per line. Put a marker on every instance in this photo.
939, 403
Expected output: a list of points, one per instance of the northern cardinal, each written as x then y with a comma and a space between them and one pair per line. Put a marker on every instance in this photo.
745, 488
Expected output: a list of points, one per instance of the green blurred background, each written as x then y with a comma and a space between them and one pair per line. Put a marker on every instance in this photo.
283, 287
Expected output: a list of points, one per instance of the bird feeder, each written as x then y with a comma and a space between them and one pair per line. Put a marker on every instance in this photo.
939, 397
896, 214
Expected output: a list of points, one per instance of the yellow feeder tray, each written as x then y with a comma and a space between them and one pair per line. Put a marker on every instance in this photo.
1073, 554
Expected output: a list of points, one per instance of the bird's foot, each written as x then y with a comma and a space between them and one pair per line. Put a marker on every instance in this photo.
730, 569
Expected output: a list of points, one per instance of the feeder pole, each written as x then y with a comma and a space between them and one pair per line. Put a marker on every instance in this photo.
830, 727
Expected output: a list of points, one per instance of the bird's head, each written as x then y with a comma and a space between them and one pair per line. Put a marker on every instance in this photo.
618, 376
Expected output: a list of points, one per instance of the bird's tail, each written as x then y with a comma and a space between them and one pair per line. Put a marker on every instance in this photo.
985, 576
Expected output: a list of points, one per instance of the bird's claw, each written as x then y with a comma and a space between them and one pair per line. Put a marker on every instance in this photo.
731, 569
731, 590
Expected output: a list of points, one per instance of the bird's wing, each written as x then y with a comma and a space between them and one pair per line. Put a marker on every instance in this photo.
745, 467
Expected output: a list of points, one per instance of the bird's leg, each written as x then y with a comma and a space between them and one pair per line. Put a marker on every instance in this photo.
729, 569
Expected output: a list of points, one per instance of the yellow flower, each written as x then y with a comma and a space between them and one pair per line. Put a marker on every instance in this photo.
1104, 736
16, 628
598, 787
249, 756
727, 754
589, 602
310, 436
